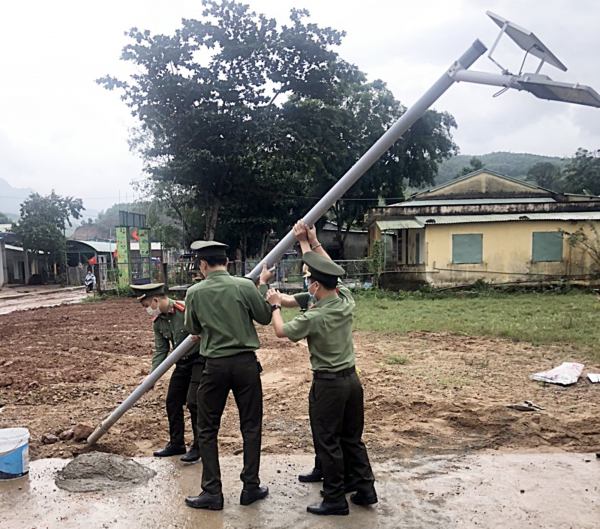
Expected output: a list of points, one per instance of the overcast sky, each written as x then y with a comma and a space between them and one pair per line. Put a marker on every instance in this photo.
59, 130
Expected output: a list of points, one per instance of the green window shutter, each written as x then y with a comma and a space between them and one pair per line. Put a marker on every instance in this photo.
467, 248
547, 246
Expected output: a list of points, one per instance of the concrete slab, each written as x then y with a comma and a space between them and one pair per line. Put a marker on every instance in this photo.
468, 491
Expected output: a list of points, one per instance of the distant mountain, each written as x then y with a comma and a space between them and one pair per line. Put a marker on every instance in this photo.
11, 198
507, 163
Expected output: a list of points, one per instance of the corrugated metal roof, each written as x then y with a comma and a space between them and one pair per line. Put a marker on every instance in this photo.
508, 217
473, 201
11, 247
421, 221
408, 224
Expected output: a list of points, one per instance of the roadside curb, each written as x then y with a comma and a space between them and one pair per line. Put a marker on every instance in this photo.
40, 293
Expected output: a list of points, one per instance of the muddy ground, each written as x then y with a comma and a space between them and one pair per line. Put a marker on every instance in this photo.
73, 364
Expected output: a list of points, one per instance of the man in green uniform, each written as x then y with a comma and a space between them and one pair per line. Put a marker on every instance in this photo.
223, 308
169, 331
336, 397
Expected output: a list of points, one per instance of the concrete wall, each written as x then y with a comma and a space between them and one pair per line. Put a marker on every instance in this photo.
506, 253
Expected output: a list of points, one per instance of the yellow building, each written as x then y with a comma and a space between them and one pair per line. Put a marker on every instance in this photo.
484, 226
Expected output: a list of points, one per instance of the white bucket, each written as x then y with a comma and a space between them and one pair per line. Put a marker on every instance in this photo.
14, 452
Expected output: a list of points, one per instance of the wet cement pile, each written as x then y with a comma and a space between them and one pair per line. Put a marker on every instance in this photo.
98, 471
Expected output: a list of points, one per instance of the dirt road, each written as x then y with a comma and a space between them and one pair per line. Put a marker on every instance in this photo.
73, 364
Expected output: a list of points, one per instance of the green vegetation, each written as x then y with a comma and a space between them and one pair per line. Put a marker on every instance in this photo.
396, 359
512, 164
540, 318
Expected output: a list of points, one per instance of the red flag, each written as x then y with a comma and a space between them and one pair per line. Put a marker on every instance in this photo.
93, 261
135, 235
115, 254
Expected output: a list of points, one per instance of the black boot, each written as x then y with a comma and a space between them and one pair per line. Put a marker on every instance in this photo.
192, 455
212, 502
170, 450
324, 508
313, 476
364, 498
250, 496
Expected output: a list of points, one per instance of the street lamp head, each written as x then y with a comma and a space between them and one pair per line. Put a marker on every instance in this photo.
544, 88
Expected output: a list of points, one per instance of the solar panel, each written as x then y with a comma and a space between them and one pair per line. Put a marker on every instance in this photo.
527, 41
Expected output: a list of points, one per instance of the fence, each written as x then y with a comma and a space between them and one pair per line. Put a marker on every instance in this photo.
288, 273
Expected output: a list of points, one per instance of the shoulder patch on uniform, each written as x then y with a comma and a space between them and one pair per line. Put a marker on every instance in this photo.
179, 306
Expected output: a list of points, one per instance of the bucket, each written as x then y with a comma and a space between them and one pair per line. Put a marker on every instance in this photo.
14, 453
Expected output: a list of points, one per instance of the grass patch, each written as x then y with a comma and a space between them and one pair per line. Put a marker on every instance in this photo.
396, 360
93, 298
538, 318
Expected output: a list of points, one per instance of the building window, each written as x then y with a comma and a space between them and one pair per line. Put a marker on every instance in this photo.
547, 246
467, 248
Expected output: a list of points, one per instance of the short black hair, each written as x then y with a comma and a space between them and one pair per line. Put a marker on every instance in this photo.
328, 284
214, 260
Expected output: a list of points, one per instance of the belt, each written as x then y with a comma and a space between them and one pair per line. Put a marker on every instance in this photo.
237, 356
337, 374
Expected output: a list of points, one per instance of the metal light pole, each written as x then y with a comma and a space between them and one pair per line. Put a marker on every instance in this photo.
539, 85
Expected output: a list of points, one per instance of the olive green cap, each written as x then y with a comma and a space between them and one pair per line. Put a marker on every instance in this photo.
322, 269
209, 249
147, 291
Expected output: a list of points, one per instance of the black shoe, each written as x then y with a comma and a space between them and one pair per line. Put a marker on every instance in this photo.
192, 455
170, 450
339, 508
250, 496
364, 498
312, 477
348, 488
212, 502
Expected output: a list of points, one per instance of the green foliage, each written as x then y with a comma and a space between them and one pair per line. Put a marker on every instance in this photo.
212, 126
5, 219
546, 175
396, 359
474, 165
42, 223
375, 262
582, 174
587, 239
330, 136
511, 164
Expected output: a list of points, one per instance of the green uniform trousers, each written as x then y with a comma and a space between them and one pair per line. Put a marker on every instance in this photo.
183, 388
240, 374
337, 419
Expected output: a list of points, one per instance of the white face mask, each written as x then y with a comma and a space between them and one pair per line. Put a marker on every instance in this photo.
153, 312
312, 295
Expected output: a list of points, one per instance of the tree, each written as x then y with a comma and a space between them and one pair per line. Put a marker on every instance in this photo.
4, 219
582, 174
587, 239
546, 175
330, 136
42, 224
208, 125
474, 165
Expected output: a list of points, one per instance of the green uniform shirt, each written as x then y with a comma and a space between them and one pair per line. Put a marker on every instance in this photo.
222, 309
328, 328
169, 331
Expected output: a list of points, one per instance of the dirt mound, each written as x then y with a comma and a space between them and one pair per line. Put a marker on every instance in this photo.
97, 471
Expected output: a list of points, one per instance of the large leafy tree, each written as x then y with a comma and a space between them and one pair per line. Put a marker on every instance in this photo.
206, 98
42, 224
329, 136
582, 174
546, 175
4, 219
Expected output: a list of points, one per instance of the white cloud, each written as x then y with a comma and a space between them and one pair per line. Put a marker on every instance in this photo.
60, 130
